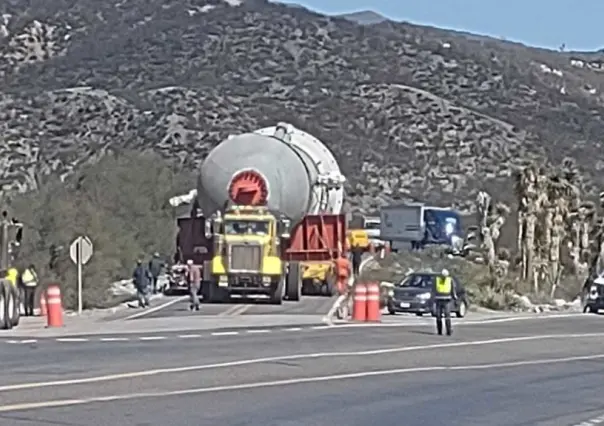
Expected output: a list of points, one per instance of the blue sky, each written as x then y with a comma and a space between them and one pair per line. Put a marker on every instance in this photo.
544, 23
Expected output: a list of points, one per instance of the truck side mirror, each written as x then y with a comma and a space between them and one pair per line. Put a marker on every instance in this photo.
285, 226
208, 228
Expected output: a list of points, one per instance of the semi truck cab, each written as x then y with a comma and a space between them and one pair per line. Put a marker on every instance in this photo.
247, 252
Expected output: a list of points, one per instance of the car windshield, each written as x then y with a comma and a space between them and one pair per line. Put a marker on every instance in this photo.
417, 281
246, 227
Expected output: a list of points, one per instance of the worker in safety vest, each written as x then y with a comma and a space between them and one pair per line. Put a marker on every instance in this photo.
444, 293
29, 280
342, 271
13, 276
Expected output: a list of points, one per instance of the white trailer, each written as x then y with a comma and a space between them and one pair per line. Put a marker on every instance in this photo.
404, 224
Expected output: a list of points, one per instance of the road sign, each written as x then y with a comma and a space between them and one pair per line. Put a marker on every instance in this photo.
80, 252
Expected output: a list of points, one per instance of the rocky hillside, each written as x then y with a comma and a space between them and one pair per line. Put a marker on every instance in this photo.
411, 112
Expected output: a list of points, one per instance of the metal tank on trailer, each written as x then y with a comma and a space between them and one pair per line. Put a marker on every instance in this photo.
282, 167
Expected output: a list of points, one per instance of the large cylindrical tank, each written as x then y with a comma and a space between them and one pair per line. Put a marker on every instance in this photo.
282, 167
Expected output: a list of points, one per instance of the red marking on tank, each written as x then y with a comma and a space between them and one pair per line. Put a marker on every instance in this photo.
248, 188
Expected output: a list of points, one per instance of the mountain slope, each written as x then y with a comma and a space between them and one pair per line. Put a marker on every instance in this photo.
410, 111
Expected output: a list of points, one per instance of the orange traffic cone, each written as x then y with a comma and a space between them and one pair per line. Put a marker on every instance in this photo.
55, 306
373, 302
359, 307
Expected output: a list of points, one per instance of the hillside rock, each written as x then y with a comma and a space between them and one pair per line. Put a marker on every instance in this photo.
410, 112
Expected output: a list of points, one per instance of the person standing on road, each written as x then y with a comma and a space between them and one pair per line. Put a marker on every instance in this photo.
343, 272
357, 254
194, 280
142, 278
156, 266
443, 295
29, 280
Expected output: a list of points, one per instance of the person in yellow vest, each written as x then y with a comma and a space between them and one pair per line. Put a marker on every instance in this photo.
29, 280
443, 295
13, 276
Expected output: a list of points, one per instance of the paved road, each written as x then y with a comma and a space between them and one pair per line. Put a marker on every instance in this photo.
309, 305
514, 373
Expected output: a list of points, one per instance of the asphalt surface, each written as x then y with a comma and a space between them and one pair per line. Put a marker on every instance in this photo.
179, 307
533, 372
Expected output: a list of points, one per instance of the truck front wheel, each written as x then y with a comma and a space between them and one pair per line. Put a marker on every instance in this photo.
277, 292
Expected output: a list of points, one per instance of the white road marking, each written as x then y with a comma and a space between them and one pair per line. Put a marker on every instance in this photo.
297, 381
234, 310
72, 340
229, 364
225, 333
156, 308
408, 322
258, 331
152, 338
592, 422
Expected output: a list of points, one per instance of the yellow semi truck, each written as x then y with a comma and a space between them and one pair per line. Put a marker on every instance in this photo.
246, 254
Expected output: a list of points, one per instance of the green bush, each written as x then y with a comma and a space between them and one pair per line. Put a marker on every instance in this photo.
120, 203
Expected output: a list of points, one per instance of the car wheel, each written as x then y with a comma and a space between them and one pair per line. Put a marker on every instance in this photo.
419, 314
462, 310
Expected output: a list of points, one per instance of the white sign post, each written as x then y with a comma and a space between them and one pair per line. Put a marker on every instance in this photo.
81, 252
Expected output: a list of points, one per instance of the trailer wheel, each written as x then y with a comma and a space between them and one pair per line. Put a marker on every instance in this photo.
7, 303
293, 284
3, 309
15, 315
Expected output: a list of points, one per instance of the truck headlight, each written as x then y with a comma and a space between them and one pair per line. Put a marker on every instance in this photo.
424, 296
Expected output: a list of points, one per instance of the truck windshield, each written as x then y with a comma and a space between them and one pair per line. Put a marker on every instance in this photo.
447, 221
246, 227
372, 225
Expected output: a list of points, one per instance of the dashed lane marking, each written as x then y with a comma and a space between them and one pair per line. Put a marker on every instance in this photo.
241, 332
297, 381
317, 355
225, 333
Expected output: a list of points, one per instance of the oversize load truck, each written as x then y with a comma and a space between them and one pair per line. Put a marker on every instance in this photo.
266, 218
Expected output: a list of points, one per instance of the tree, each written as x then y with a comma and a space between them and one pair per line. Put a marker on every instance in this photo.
121, 203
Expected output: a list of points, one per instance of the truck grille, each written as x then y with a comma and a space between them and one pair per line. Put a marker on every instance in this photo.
245, 257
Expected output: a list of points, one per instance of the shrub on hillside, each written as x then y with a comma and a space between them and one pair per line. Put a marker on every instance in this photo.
120, 203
